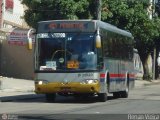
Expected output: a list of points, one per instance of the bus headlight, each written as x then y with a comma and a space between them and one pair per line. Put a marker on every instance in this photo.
89, 81
40, 82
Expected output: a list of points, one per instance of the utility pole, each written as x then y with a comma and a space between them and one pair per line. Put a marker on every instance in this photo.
150, 9
151, 13
154, 51
98, 9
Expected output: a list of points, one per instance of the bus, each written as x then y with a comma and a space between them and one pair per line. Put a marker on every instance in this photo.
83, 58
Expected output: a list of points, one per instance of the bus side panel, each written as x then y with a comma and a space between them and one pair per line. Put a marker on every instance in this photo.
127, 73
112, 66
118, 71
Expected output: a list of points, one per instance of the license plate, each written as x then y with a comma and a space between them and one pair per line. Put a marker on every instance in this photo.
65, 88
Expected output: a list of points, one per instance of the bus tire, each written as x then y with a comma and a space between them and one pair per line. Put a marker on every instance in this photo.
50, 97
125, 94
116, 94
103, 97
108, 81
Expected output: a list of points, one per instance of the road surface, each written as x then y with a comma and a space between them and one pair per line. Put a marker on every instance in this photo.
143, 103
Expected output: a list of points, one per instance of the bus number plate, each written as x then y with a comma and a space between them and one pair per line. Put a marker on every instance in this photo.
65, 89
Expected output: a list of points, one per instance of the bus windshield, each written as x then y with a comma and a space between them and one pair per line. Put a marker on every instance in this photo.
65, 51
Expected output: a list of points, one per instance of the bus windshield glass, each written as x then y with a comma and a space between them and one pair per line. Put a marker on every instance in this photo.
65, 51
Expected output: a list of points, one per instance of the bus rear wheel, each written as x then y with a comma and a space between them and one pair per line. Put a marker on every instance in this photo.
116, 94
102, 97
50, 97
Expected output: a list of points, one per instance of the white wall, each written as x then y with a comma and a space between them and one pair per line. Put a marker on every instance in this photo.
18, 7
14, 16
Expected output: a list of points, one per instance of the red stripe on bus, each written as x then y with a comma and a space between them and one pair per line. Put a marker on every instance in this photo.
131, 75
122, 75
102, 75
117, 75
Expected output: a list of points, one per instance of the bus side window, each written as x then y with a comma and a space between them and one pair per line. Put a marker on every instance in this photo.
130, 52
110, 45
121, 47
117, 47
114, 47
105, 44
124, 48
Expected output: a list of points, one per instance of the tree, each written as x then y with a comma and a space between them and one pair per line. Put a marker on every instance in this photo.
157, 8
39, 10
157, 41
132, 15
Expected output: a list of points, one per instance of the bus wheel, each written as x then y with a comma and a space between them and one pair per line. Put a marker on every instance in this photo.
102, 97
50, 97
78, 97
82, 96
116, 94
124, 94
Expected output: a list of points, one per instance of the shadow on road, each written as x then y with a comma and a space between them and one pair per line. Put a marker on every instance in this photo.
74, 117
61, 99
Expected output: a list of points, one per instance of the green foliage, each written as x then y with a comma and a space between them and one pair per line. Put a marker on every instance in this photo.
132, 15
39, 10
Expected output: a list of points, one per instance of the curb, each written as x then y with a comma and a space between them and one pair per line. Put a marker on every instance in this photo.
143, 83
20, 97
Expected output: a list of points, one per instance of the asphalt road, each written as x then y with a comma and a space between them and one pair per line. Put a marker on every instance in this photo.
142, 104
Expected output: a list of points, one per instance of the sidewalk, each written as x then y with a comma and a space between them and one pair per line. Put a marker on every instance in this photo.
18, 85
14, 89
141, 83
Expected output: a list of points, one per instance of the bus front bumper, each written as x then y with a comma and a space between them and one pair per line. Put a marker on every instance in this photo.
75, 87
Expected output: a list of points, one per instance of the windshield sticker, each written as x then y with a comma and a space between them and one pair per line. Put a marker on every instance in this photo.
73, 64
42, 67
51, 64
46, 68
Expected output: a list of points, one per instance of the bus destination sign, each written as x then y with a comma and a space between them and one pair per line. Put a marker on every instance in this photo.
66, 26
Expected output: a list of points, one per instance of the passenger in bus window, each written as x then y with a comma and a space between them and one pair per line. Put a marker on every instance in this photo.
87, 50
88, 59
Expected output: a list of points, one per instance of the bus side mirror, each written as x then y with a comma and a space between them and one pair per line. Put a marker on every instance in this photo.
98, 41
29, 36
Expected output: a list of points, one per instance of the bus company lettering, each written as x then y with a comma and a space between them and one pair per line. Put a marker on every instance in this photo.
67, 26
85, 75
53, 26
72, 25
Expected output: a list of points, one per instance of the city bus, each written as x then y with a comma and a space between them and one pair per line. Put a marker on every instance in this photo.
83, 58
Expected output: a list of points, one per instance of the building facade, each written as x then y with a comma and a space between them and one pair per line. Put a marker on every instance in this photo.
15, 58
11, 15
